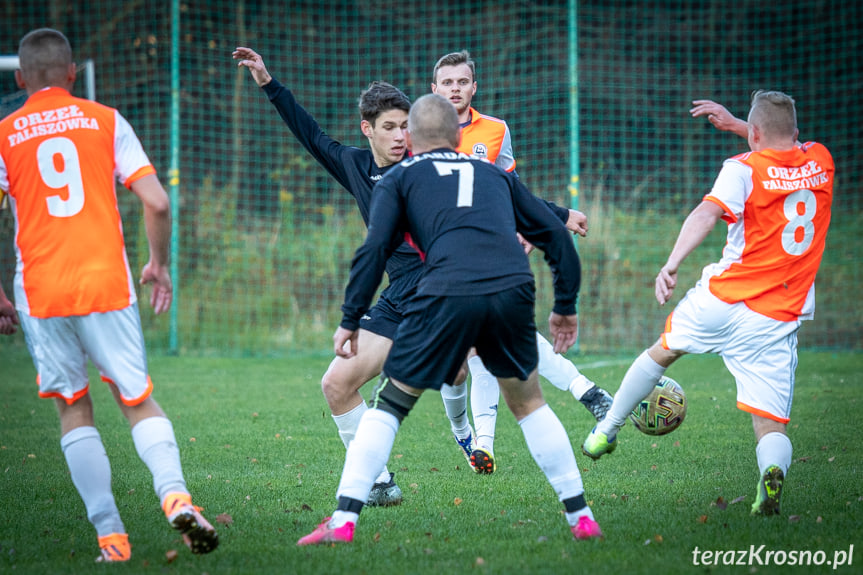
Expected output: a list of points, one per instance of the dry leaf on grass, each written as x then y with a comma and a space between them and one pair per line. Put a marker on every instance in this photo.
224, 519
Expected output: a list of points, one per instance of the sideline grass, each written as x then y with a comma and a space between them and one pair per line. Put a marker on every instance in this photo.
260, 449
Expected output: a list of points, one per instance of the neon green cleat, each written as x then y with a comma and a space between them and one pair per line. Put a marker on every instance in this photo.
597, 444
769, 492
482, 461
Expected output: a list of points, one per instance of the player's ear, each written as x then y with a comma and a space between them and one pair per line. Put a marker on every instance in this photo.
408, 141
434, 88
367, 128
19, 79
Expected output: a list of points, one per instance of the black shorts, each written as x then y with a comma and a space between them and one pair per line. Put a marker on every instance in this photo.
433, 340
384, 317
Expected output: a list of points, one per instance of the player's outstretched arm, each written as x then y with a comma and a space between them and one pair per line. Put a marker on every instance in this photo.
698, 224
720, 117
250, 59
157, 220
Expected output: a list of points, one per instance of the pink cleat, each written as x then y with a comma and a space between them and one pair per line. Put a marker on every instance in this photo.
323, 533
586, 528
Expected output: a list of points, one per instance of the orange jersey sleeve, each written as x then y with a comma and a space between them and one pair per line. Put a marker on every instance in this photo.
778, 208
60, 157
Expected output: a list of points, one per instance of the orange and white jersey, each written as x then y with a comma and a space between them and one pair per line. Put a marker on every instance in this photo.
777, 205
489, 138
59, 157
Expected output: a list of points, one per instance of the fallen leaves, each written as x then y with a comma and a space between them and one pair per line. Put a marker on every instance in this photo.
224, 519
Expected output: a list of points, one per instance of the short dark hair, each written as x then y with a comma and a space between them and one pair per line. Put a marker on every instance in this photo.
381, 97
454, 59
44, 56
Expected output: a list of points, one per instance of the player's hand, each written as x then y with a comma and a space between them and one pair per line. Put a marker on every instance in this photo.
577, 223
666, 281
345, 342
564, 331
716, 114
163, 288
250, 59
8, 318
528, 247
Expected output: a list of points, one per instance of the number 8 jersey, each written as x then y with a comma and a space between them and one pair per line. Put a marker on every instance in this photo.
59, 158
777, 205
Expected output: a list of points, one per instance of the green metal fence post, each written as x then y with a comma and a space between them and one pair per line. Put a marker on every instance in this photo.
573, 112
174, 172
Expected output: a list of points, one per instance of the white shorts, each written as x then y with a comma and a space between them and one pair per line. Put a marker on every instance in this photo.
760, 352
60, 347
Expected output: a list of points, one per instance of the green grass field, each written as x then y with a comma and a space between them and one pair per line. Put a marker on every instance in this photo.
262, 456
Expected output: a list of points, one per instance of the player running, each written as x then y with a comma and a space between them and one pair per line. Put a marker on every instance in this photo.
74, 291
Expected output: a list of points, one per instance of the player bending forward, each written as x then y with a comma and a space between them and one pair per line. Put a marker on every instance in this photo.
446, 201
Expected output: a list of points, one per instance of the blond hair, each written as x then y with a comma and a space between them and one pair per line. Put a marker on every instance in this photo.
774, 113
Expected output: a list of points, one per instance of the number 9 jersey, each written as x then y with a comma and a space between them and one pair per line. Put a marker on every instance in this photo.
59, 159
777, 205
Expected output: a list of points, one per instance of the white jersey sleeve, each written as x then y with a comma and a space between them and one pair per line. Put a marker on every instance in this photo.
506, 158
732, 187
129, 155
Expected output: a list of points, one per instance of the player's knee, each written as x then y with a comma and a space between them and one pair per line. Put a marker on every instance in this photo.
335, 386
387, 397
662, 356
461, 376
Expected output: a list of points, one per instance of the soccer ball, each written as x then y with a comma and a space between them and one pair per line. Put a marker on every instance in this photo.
662, 411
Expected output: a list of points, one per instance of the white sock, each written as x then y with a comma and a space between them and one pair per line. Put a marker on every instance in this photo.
640, 379
572, 518
347, 424
549, 445
91, 473
367, 454
484, 397
341, 517
157, 447
774, 449
455, 403
559, 371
